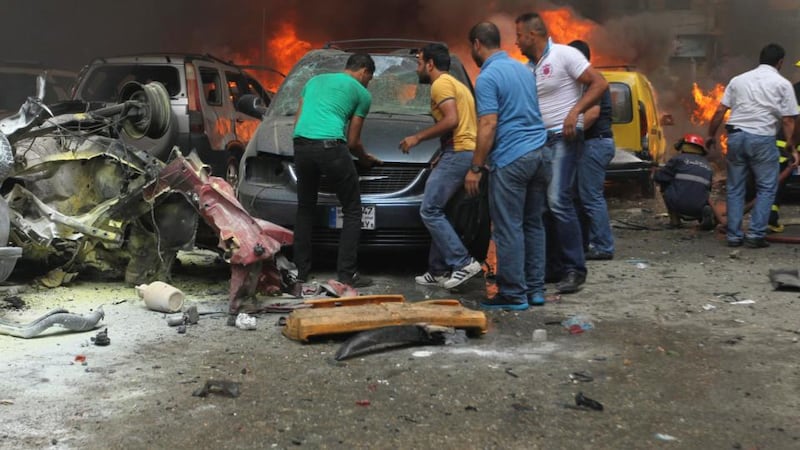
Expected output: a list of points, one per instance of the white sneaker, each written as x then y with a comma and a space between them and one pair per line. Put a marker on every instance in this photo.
463, 274
431, 280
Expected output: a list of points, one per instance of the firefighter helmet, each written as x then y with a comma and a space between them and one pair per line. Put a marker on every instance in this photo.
693, 140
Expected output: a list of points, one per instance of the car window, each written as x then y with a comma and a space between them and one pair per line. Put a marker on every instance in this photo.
621, 104
240, 84
104, 82
394, 87
211, 86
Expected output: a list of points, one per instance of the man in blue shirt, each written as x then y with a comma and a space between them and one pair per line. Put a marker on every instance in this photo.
511, 135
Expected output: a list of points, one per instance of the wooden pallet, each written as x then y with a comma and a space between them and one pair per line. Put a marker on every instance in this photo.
305, 323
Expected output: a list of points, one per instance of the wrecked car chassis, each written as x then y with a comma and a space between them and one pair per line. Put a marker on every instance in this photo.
81, 199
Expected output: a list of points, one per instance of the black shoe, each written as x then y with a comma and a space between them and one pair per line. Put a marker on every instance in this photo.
595, 255
755, 243
357, 281
732, 243
571, 283
707, 222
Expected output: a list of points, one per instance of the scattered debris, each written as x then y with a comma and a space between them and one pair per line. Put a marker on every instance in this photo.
709, 307
510, 372
80, 358
337, 289
317, 321
539, 335
784, 279
6, 401
744, 302
161, 297
363, 402
13, 302
665, 437
101, 340
583, 401
58, 318
582, 377
422, 354
577, 324
57, 277
245, 321
181, 329
189, 317
219, 387
522, 407
471, 408
399, 335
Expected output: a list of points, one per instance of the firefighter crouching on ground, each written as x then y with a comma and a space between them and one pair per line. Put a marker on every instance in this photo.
686, 183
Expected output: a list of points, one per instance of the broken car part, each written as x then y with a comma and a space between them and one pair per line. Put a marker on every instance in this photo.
305, 323
583, 401
386, 337
55, 318
221, 387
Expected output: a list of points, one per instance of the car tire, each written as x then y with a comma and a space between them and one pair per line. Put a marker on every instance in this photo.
159, 148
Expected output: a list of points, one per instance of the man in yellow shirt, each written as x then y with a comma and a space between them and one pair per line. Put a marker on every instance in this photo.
453, 109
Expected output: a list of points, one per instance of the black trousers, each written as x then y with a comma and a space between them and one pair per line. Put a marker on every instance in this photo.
314, 158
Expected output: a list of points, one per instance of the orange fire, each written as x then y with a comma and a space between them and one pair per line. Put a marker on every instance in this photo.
706, 105
286, 48
282, 51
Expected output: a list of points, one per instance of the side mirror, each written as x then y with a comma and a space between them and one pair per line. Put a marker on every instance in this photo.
667, 120
252, 105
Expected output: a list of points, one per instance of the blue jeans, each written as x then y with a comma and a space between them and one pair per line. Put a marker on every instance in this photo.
760, 155
517, 194
447, 251
597, 154
566, 230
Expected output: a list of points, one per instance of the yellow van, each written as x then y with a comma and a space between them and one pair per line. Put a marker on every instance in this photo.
637, 127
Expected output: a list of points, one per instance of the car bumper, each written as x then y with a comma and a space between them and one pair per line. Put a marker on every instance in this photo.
397, 220
626, 165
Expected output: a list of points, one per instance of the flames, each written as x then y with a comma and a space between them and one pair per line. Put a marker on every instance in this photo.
706, 104
285, 48
564, 27
278, 54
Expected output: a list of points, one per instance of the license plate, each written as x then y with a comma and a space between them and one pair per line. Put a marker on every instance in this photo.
335, 217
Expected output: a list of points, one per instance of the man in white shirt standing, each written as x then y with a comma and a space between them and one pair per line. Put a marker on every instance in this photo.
567, 86
760, 102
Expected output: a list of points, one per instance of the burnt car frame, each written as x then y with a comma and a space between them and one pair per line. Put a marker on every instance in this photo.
81, 199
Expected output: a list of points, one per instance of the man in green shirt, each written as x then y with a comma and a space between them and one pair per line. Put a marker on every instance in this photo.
323, 144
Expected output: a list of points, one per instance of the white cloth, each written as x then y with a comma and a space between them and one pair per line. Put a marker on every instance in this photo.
758, 100
557, 74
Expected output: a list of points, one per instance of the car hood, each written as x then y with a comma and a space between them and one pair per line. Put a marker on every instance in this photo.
381, 135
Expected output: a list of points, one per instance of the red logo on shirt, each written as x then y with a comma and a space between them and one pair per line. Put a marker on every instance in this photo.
547, 70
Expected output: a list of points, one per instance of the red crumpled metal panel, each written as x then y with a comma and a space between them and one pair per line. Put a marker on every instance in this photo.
249, 243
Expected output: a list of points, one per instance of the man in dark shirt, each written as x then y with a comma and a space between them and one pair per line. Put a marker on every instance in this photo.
598, 152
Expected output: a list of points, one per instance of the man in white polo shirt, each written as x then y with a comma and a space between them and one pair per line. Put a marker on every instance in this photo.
567, 86
761, 102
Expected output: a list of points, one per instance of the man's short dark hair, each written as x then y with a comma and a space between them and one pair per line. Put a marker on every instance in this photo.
534, 22
771, 54
358, 61
583, 47
487, 34
439, 54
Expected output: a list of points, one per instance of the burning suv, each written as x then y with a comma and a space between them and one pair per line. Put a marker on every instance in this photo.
391, 194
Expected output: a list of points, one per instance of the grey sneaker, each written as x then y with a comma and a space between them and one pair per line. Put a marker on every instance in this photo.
463, 274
